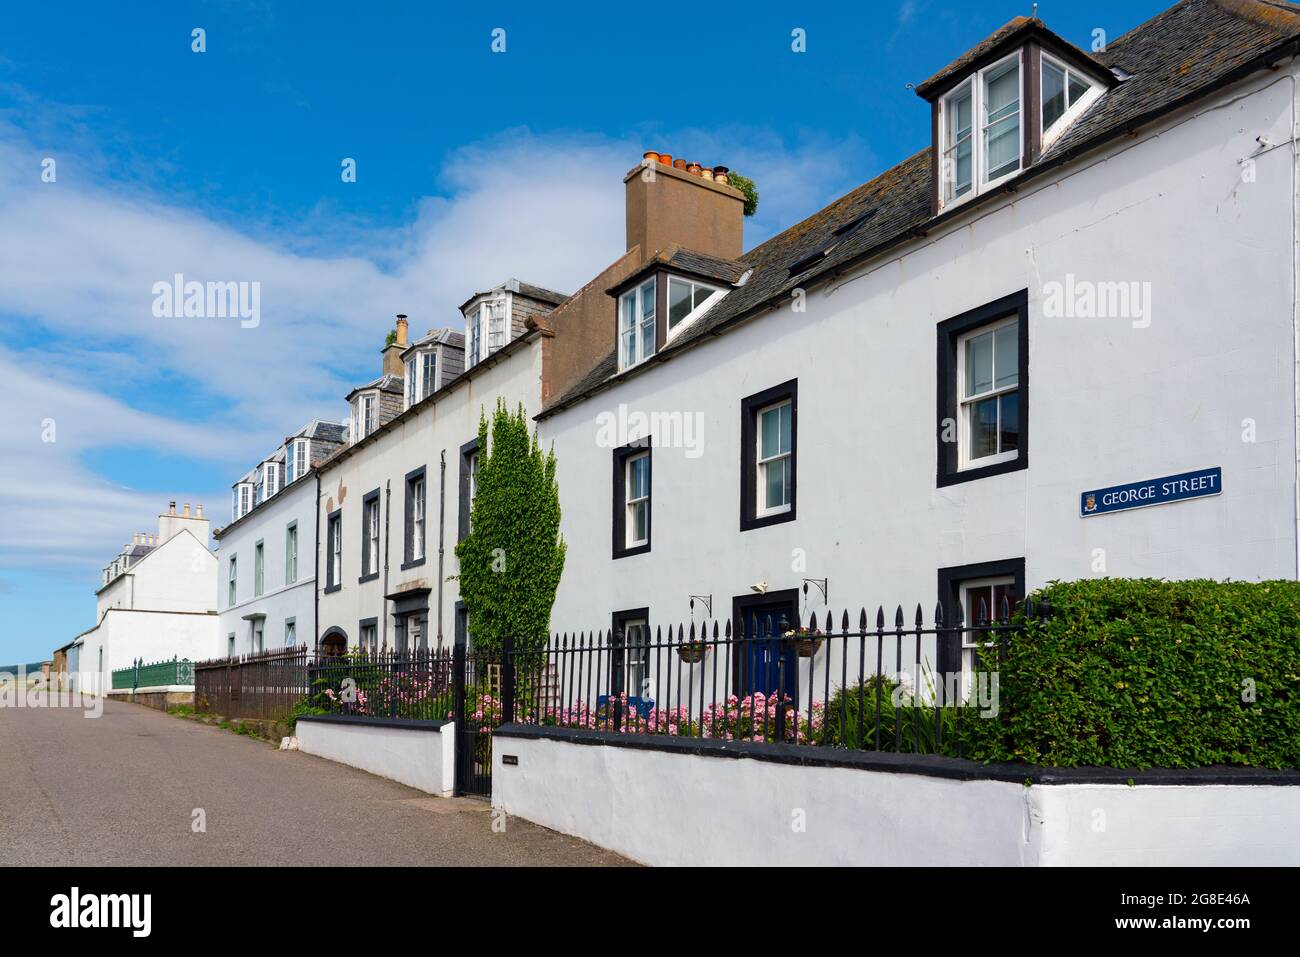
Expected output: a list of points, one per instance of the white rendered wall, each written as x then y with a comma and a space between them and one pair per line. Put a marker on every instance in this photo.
422, 759
125, 636
694, 810
178, 575
418, 440
1109, 402
280, 600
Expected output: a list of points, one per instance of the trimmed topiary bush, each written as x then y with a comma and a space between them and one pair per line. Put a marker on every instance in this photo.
1148, 673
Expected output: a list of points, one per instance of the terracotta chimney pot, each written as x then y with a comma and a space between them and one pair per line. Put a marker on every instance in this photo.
401, 330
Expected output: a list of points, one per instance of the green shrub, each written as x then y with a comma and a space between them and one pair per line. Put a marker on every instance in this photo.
850, 720
1148, 673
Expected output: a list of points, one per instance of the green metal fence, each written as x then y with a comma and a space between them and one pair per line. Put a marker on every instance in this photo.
178, 671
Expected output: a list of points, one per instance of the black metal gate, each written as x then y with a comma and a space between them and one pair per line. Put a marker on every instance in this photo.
477, 713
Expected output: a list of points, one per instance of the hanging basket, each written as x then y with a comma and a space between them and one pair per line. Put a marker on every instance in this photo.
807, 647
692, 653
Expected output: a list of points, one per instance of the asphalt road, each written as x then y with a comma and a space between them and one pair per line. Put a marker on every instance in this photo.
122, 789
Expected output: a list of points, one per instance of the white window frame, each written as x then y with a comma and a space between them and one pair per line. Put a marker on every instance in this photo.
1076, 109
497, 318
271, 478
969, 620
715, 293
964, 403
417, 519
412, 383
232, 579
428, 373
639, 322
336, 551
638, 665
291, 553
290, 632
761, 508
474, 337
372, 536
259, 568
979, 158
630, 504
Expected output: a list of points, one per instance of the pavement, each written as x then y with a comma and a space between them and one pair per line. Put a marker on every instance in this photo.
125, 789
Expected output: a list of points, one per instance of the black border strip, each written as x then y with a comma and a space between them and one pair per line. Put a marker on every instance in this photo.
405, 724
958, 769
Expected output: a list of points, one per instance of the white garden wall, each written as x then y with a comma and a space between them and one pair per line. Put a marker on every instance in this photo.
698, 804
417, 754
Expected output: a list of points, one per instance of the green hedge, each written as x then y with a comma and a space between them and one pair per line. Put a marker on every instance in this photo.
1148, 673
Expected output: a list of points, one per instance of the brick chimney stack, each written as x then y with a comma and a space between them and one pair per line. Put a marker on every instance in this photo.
667, 205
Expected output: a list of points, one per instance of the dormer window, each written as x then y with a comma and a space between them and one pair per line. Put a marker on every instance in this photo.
364, 410
1066, 94
687, 299
271, 479
636, 324
487, 328
298, 459
421, 376
981, 139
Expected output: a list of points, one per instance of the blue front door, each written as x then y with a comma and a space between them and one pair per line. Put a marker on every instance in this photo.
770, 664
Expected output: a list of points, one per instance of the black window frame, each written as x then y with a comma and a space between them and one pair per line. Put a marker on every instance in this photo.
333, 527
369, 574
408, 524
621, 455
362, 625
949, 332
749, 409
947, 658
467, 450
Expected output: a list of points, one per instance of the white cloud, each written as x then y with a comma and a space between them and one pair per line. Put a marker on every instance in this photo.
80, 257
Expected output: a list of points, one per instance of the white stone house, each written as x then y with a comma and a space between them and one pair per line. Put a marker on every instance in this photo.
1103, 245
394, 502
266, 583
155, 602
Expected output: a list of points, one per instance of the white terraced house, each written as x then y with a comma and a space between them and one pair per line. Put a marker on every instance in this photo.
266, 581
1100, 245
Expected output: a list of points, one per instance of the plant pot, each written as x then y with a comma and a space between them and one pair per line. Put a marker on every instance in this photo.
692, 654
807, 647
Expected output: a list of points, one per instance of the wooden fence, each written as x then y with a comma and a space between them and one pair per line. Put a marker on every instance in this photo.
265, 685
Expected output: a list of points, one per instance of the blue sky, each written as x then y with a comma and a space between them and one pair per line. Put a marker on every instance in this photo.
471, 166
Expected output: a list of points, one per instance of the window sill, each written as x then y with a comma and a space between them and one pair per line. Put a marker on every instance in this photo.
367, 578
332, 588
762, 521
631, 550
984, 471
414, 563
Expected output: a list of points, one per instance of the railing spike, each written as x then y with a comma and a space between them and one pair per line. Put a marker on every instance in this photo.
920, 620
938, 614
880, 616
984, 613
862, 620
898, 617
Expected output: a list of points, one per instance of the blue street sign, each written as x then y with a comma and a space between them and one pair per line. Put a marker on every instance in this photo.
1157, 491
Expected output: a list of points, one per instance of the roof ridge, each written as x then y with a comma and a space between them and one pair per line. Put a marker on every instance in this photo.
1267, 13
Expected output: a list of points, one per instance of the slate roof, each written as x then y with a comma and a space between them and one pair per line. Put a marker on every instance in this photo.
688, 261
446, 337
1183, 53
524, 289
385, 383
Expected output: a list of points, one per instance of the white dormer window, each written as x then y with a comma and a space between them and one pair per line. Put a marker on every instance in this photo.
363, 416
496, 319
243, 500
688, 299
636, 324
1066, 94
981, 139
421, 376
300, 458
271, 479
